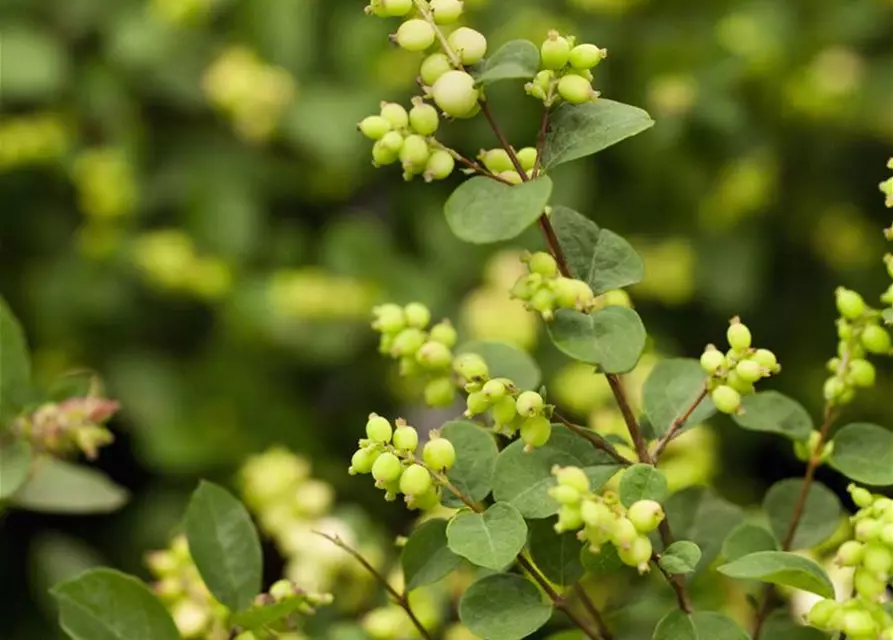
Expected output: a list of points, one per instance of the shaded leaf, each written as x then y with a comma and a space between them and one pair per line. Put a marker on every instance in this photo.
774, 412
748, 538
700, 625
505, 361
476, 453
15, 362
612, 338
642, 482
556, 554
57, 486
483, 211
427, 558
680, 557
671, 388
504, 606
864, 452
820, 517
781, 568
15, 463
490, 539
515, 60
605, 562
699, 515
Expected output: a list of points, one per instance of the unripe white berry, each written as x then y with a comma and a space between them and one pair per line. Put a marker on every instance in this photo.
415, 35
469, 44
455, 93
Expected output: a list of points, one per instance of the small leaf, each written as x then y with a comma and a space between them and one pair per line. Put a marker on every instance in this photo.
426, 558
515, 60
504, 606
577, 237
256, 618
680, 557
700, 625
582, 130
642, 482
605, 562
56, 486
476, 453
102, 604
697, 514
612, 338
746, 539
490, 539
524, 479
15, 463
864, 452
556, 554
483, 211
781, 568
774, 412
505, 361
224, 545
675, 626
671, 388
15, 364
820, 517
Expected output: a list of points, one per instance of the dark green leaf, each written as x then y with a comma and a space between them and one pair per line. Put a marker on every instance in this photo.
697, 514
515, 60
582, 130
15, 363
642, 482
490, 539
257, 618
504, 606
781, 568
779, 626
482, 210
701, 625
476, 453
578, 237
864, 453
671, 388
426, 558
505, 361
56, 486
820, 517
680, 557
102, 604
746, 539
15, 463
556, 554
523, 479
605, 562
612, 338
676, 625
224, 545
774, 412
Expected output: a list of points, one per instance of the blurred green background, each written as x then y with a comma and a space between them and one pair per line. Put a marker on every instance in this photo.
188, 209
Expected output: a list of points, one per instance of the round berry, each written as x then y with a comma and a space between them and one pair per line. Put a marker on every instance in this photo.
504, 411
535, 431
511, 176
850, 553
572, 477
439, 454
362, 460
586, 56
496, 160
645, 515
423, 119
440, 165
749, 370
569, 519
821, 613
383, 155
444, 333
527, 158
494, 390
712, 360
471, 45
470, 366
374, 127
415, 153
544, 264
406, 438
378, 429
765, 359
408, 342
434, 355
477, 403
388, 318
387, 468
565, 495
596, 514
850, 304
396, 8
868, 529
726, 399
425, 501
858, 624
877, 558
415, 480
861, 373
637, 554
392, 141
395, 114
440, 392
877, 340
282, 590
417, 315
446, 11
415, 35
739, 336
455, 94
529, 403
571, 293
433, 67
575, 89
555, 51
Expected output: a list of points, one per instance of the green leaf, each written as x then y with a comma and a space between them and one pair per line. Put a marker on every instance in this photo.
15, 463
779, 626
701, 625
426, 558
490, 539
483, 211
864, 452
577, 131
642, 482
224, 545
605, 562
476, 453
102, 604
556, 554
820, 518
515, 60
612, 338
680, 557
697, 514
504, 606
671, 388
774, 412
577, 237
56, 486
505, 361
748, 538
676, 625
257, 618
15, 363
781, 568
33, 66
524, 479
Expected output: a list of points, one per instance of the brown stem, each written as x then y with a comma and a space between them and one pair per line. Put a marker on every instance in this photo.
400, 598
678, 585
597, 441
678, 423
629, 417
541, 142
593, 611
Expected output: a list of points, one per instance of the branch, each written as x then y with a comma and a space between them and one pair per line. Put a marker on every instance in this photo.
629, 417
678, 423
597, 441
678, 585
593, 612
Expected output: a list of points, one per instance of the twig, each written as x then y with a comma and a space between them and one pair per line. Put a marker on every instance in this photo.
541, 142
400, 598
593, 611
678, 423
629, 417
597, 441
678, 585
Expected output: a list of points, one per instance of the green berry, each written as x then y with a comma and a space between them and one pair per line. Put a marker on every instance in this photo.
765, 359
388, 318
861, 373
886, 534
645, 515
565, 495
494, 390
425, 501
415, 35
415, 480
396, 8
572, 477
571, 293
439, 454
511, 176
529, 403
440, 392
469, 44
477, 403
821, 613
374, 127
504, 411
749, 371
544, 302
434, 355
471, 366
726, 399
637, 554
858, 623
597, 514
455, 94
446, 11
406, 438
378, 429
387, 468
575, 89
392, 141
868, 529
433, 67
555, 51
415, 153
382, 155
395, 114
527, 158
544, 264
440, 165
417, 315
283, 590
586, 56
423, 119
444, 333
850, 553
535, 431
877, 558
408, 342
362, 460
712, 360
877, 340
496, 160
569, 519
850, 304
739, 336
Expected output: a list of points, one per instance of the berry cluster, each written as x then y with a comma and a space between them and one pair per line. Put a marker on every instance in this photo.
169, 260
544, 289
389, 454
601, 519
282, 591
863, 617
106, 184
498, 162
421, 351
64, 428
31, 139
390, 620
734, 373
566, 71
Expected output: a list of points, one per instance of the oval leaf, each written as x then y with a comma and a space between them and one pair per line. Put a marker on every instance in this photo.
700, 625
642, 482
556, 554
697, 514
56, 486
15, 463
483, 211
224, 545
671, 388
746, 539
426, 558
577, 237
605, 562
515, 60
781, 568
820, 517
504, 606
490, 539
15, 366
476, 453
577, 131
102, 604
864, 453
612, 338
774, 412
676, 625
680, 557
505, 361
